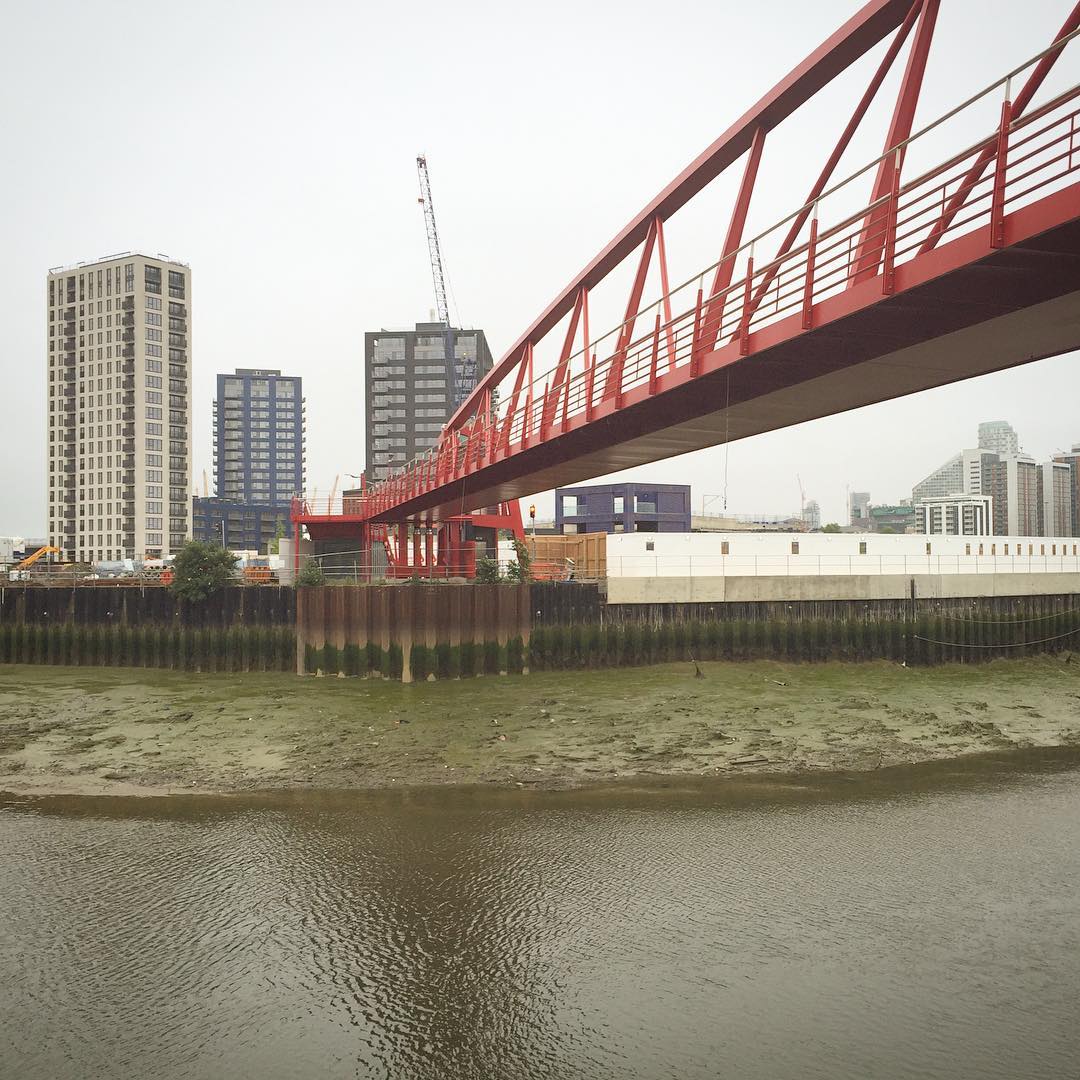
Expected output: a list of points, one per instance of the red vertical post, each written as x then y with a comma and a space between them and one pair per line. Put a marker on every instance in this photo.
296, 547
808, 286
655, 356
888, 262
744, 319
429, 549
997, 198
695, 343
416, 541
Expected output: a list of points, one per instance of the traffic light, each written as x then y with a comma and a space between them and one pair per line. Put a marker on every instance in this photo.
532, 512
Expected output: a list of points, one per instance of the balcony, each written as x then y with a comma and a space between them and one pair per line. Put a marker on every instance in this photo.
67, 451
127, 335
128, 367
128, 446
69, 377
127, 351
69, 344
68, 420
128, 413
127, 463
127, 319
128, 478
67, 466
128, 304
128, 398
129, 432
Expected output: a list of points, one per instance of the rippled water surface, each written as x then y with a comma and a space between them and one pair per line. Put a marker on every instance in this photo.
925, 924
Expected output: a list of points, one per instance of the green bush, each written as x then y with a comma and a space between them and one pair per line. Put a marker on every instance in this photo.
487, 570
311, 574
515, 655
200, 570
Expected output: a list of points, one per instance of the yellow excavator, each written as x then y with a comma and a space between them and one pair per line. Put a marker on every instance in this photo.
31, 559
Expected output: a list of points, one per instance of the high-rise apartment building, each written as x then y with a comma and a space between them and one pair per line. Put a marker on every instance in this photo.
259, 445
119, 407
955, 515
1072, 459
1055, 499
998, 437
1014, 483
411, 387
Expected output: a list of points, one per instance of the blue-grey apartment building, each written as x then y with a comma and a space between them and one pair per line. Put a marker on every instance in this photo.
627, 507
259, 446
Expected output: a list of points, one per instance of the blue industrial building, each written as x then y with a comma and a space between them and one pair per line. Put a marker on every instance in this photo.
628, 507
259, 437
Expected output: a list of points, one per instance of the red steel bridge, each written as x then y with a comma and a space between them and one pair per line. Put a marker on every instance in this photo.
887, 282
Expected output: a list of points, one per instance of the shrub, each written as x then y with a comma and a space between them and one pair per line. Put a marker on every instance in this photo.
538, 648
200, 570
487, 570
311, 574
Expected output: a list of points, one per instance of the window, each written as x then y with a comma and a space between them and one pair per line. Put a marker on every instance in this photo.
725, 547
570, 505
1006, 549
645, 503
153, 397
862, 547
154, 381
152, 317
794, 547
928, 549
154, 304
152, 279
618, 504
650, 545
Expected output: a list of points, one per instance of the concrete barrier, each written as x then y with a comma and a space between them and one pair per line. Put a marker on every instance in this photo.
713, 590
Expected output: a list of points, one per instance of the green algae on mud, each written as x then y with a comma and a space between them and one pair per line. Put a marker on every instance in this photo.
85, 730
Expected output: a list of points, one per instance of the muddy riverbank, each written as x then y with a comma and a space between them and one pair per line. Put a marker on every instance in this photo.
122, 731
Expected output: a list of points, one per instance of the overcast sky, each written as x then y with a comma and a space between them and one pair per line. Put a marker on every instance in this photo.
272, 147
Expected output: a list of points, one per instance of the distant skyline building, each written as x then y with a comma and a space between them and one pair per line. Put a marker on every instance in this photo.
858, 507
812, 515
998, 437
947, 479
410, 387
119, 408
259, 418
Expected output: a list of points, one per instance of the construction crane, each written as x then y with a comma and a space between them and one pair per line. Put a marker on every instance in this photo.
439, 278
802, 501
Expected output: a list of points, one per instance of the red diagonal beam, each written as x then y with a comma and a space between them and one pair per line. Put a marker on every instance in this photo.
978, 167
871, 24
848, 134
564, 361
633, 306
665, 291
714, 312
872, 240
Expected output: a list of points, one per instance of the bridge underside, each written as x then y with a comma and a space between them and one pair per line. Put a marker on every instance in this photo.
960, 311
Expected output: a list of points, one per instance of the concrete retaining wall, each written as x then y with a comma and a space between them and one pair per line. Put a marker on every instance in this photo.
714, 590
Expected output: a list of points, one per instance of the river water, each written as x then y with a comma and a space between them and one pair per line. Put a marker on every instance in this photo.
923, 923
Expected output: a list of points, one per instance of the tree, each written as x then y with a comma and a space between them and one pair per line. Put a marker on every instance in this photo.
311, 573
832, 527
279, 535
200, 570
